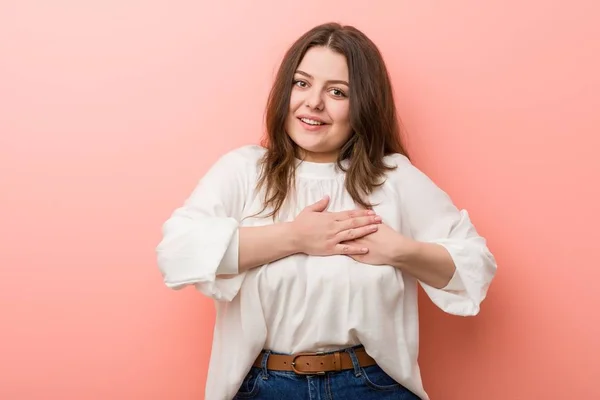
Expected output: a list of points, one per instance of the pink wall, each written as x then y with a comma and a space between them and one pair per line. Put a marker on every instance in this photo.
110, 111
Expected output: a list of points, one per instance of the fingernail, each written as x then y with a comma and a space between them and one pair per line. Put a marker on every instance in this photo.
364, 249
370, 212
378, 218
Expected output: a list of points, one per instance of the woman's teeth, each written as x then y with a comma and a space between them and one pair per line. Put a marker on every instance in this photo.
311, 122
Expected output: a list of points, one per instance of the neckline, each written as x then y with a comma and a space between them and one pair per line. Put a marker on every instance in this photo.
319, 170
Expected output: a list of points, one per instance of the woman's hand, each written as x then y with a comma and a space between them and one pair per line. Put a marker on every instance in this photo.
384, 246
430, 263
321, 233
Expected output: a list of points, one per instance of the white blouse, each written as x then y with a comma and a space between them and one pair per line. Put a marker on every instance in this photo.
304, 303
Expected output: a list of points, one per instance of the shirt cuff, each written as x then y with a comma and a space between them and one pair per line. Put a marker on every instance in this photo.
455, 284
230, 262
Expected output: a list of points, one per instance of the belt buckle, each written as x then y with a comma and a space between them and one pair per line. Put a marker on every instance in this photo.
296, 356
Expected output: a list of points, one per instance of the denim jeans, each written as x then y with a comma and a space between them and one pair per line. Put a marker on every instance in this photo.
360, 383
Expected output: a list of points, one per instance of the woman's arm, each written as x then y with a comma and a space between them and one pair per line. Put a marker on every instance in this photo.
199, 239
454, 261
203, 241
264, 244
442, 249
314, 232
430, 263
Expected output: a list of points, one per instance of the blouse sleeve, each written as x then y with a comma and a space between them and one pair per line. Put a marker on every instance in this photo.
432, 217
200, 239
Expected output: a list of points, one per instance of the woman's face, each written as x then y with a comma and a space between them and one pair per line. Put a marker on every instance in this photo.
318, 120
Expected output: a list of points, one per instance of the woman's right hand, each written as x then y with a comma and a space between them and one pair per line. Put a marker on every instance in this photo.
320, 233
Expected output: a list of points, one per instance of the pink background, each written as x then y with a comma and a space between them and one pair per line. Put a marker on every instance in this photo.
111, 111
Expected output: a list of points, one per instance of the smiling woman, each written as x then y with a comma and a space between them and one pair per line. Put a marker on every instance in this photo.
314, 82
319, 118
316, 288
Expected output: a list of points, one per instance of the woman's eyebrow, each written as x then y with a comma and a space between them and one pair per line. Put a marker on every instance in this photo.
330, 81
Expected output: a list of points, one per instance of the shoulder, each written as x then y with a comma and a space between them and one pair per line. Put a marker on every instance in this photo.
397, 160
403, 166
241, 163
416, 189
241, 160
405, 175
247, 154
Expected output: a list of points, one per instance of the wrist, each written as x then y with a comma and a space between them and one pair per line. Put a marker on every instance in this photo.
404, 252
291, 237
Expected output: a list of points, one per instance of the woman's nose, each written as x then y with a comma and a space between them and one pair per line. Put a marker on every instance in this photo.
314, 100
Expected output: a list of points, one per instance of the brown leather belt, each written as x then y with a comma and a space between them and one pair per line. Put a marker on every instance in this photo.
315, 363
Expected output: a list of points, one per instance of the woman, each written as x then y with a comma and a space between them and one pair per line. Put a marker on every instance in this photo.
313, 245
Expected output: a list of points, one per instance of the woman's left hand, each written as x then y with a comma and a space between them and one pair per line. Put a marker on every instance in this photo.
385, 246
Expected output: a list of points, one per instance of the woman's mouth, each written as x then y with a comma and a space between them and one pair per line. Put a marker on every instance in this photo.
311, 121
311, 124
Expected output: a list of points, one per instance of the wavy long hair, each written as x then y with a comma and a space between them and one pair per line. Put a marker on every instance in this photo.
373, 118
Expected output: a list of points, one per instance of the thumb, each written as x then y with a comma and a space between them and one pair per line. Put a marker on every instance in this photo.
320, 205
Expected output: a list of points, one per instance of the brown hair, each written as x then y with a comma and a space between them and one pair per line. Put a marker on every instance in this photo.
373, 120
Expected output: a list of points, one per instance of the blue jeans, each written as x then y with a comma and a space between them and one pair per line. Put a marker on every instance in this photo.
360, 383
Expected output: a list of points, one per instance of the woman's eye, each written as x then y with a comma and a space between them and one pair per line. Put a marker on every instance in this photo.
338, 93
300, 83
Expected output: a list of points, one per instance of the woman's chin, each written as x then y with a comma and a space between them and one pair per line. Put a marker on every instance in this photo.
307, 143
314, 144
